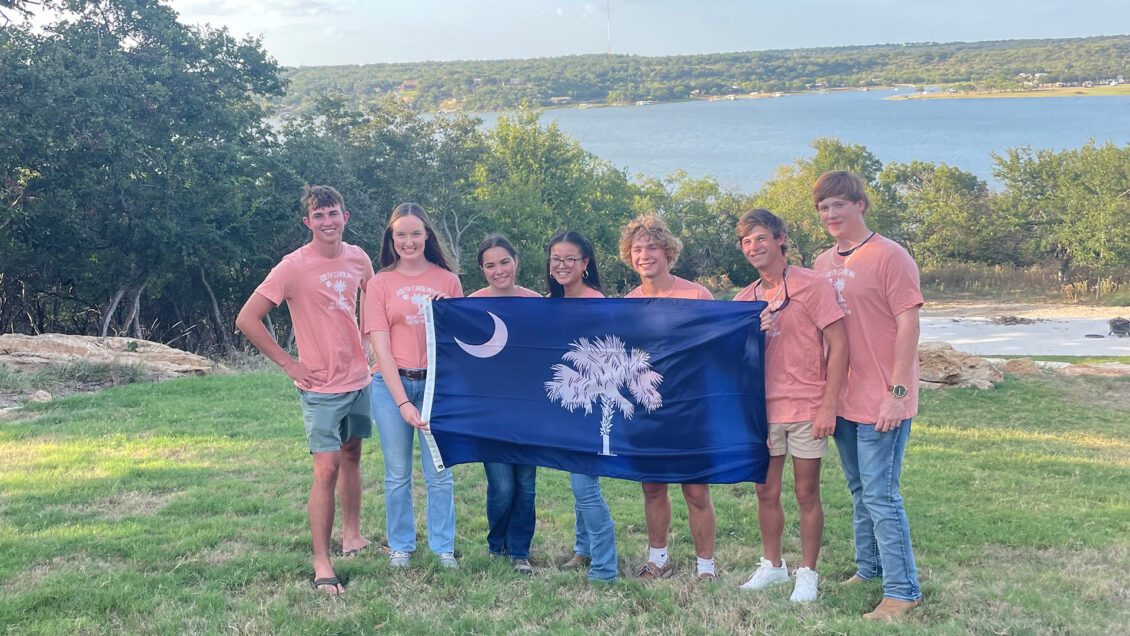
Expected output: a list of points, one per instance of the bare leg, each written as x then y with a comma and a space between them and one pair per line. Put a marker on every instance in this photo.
657, 513
770, 514
349, 496
700, 514
806, 474
320, 508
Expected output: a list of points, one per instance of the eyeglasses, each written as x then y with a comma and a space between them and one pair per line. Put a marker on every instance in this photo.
571, 261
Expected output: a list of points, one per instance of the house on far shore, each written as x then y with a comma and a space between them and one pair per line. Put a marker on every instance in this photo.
557, 101
408, 85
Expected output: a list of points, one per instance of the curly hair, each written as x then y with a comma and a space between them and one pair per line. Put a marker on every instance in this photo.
652, 227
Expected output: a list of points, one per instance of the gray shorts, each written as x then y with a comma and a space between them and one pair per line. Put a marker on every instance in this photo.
335, 418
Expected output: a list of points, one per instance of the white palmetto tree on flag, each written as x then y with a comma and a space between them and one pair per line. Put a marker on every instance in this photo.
600, 369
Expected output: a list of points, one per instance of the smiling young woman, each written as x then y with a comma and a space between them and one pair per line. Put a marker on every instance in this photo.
414, 267
499, 263
511, 488
570, 269
570, 272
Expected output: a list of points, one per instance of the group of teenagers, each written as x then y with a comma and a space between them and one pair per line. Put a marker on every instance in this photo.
840, 362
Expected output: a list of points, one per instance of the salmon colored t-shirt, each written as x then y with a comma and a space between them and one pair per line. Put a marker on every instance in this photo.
395, 303
872, 286
321, 294
589, 292
519, 292
795, 364
682, 288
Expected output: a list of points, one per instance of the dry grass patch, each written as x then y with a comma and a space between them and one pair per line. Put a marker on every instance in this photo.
1093, 392
1066, 585
62, 565
226, 551
126, 504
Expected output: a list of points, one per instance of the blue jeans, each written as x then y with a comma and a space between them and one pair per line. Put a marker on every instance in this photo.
872, 464
510, 508
396, 445
595, 533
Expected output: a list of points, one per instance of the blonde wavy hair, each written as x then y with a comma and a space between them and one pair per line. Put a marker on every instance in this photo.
652, 227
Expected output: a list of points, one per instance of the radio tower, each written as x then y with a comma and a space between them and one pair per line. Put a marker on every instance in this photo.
608, 13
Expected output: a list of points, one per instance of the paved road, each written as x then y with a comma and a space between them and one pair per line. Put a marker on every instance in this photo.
1045, 337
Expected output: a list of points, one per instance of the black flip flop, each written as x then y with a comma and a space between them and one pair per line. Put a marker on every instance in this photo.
318, 584
352, 553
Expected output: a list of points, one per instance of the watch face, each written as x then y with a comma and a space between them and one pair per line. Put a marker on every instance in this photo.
898, 390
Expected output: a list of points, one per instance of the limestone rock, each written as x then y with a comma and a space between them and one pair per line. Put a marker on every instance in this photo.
1106, 369
28, 353
1021, 366
943, 366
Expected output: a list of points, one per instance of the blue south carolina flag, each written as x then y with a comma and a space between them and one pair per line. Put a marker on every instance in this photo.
659, 390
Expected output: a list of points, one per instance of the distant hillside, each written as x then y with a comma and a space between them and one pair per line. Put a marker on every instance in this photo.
499, 84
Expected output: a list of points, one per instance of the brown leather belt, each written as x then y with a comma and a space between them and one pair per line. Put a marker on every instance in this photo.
413, 374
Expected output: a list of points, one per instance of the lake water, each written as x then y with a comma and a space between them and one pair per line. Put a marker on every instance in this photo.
743, 142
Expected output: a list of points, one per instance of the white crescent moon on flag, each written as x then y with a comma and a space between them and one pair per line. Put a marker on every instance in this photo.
491, 347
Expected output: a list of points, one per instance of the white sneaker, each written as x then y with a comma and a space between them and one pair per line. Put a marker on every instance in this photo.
447, 560
398, 559
766, 575
805, 589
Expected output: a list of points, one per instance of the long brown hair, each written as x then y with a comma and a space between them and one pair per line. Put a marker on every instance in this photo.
434, 250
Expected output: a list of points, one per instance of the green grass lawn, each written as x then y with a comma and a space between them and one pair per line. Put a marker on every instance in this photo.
180, 507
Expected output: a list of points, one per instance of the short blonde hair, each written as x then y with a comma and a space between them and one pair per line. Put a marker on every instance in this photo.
653, 227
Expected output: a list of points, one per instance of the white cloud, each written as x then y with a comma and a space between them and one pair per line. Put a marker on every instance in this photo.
560, 11
278, 9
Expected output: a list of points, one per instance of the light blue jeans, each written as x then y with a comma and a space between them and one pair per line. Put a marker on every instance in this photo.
872, 464
396, 445
595, 532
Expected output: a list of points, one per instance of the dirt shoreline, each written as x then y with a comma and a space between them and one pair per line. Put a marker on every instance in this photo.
1045, 311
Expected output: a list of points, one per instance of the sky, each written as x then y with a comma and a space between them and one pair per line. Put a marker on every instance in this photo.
325, 32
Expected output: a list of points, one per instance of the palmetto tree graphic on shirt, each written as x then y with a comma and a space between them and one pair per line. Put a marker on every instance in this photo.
600, 369
838, 285
339, 286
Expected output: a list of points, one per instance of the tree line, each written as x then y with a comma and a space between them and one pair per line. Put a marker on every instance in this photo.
144, 194
616, 79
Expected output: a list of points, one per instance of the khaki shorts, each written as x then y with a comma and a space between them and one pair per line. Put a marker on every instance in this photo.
795, 438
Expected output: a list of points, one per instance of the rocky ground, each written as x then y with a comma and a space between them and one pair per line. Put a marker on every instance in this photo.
45, 367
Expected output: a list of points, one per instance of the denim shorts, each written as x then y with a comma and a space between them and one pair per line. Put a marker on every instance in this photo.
335, 418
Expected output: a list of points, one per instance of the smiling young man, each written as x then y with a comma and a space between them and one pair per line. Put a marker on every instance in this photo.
877, 287
320, 282
649, 248
805, 366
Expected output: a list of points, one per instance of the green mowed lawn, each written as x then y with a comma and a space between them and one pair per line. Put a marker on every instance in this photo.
180, 507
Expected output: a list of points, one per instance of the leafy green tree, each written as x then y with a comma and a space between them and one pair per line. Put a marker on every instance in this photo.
535, 181
947, 214
1075, 202
385, 154
134, 139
